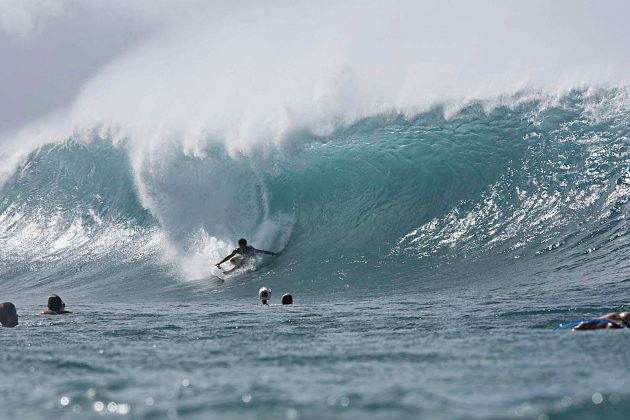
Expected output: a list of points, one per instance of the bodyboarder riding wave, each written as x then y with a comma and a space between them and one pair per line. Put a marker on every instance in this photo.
241, 255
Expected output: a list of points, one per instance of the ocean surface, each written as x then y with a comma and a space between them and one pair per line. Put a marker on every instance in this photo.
430, 256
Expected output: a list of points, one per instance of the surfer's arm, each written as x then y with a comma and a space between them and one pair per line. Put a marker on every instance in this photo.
227, 258
262, 251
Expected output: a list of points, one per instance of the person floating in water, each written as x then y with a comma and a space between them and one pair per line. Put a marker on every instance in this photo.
8, 315
264, 294
608, 321
242, 254
56, 306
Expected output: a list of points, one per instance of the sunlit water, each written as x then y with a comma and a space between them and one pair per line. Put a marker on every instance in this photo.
430, 260
433, 356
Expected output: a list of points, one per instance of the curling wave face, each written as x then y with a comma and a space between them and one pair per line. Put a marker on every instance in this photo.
390, 201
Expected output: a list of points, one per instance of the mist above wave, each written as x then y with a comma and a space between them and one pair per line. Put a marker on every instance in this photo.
249, 76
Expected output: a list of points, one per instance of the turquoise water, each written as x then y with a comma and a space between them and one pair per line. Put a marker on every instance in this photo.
385, 357
430, 259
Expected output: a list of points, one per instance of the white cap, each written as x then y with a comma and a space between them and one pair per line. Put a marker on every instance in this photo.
264, 293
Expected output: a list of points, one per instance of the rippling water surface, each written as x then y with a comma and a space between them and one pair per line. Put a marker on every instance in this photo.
437, 356
430, 259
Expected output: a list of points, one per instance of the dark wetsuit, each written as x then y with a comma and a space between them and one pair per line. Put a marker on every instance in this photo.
241, 255
597, 323
249, 251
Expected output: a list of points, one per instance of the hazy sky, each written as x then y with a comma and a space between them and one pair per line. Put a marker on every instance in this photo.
51, 49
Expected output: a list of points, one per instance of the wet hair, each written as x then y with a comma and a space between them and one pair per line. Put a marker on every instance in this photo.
8, 315
242, 241
55, 303
287, 299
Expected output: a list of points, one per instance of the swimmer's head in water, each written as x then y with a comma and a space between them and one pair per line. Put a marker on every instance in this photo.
287, 299
242, 242
8, 315
625, 316
264, 294
55, 303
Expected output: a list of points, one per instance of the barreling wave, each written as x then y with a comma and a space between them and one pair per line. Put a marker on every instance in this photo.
390, 199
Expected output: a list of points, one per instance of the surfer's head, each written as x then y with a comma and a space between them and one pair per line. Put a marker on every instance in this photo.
264, 294
287, 299
8, 315
242, 242
55, 303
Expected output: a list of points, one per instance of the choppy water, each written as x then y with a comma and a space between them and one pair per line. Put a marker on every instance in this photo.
430, 259
448, 357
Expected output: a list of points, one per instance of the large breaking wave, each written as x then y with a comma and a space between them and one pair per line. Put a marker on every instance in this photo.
534, 184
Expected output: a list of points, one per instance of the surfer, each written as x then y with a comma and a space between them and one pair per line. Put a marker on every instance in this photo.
608, 321
56, 306
242, 254
8, 315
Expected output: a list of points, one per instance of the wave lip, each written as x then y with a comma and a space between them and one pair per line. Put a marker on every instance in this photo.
534, 180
